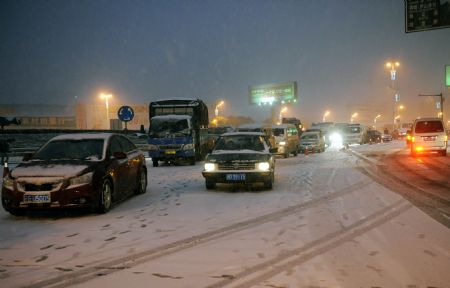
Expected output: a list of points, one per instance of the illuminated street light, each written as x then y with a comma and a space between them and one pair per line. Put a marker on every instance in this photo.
375, 120
284, 109
106, 97
325, 115
217, 108
353, 116
393, 72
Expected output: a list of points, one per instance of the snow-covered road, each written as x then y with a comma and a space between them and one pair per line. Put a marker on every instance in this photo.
328, 222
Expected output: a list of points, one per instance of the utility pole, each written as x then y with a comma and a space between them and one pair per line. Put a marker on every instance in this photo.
441, 101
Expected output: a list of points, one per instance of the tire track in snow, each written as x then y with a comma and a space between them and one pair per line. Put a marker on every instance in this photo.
294, 257
129, 261
432, 204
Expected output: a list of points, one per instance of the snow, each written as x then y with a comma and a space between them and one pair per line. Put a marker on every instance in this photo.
83, 136
244, 151
243, 133
325, 224
49, 170
172, 116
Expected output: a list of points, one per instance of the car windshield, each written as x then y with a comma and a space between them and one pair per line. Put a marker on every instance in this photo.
309, 137
352, 130
429, 127
278, 131
160, 128
86, 149
240, 142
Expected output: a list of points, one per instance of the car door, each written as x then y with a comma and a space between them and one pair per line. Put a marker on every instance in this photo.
118, 168
133, 162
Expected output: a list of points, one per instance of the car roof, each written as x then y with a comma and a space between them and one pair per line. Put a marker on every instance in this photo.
428, 119
243, 134
311, 132
82, 136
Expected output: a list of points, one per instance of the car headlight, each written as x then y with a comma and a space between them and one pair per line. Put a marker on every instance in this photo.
263, 166
151, 147
188, 146
8, 182
209, 167
81, 180
282, 143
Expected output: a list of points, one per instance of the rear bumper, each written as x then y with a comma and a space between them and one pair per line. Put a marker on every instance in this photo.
171, 154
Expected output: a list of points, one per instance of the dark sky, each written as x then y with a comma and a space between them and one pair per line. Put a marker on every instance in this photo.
60, 51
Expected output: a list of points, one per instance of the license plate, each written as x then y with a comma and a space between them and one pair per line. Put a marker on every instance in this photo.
429, 138
36, 198
171, 152
235, 177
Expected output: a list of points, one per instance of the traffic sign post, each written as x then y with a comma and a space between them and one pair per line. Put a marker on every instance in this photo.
125, 114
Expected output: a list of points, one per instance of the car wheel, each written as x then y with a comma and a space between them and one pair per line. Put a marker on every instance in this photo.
295, 153
141, 184
210, 184
444, 152
269, 183
155, 162
105, 197
286, 155
192, 161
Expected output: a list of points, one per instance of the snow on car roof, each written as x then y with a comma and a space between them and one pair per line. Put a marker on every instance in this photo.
282, 126
172, 116
82, 136
250, 126
243, 133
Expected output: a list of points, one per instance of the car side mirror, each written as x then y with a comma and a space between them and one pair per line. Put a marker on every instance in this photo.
119, 155
27, 156
273, 150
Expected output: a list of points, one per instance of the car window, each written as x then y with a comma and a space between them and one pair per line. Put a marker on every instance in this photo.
114, 146
429, 127
85, 149
126, 144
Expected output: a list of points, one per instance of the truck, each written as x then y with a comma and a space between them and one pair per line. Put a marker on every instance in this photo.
178, 130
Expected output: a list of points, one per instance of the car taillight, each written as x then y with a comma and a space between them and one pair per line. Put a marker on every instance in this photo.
419, 148
413, 139
408, 137
445, 138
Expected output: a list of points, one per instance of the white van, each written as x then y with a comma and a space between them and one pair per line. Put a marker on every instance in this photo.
286, 137
428, 135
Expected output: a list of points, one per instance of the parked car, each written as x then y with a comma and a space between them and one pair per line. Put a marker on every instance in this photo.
240, 157
76, 171
312, 141
374, 136
287, 141
386, 137
428, 135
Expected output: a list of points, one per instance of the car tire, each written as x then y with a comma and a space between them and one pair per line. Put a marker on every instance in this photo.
16, 212
286, 155
141, 183
444, 153
269, 183
210, 184
295, 153
105, 199
155, 162
192, 161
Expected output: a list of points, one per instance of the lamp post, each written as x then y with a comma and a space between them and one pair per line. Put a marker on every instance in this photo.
106, 97
217, 108
393, 73
375, 121
325, 115
280, 117
353, 116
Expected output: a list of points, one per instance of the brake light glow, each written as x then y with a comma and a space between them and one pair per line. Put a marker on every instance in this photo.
419, 148
408, 137
413, 139
445, 138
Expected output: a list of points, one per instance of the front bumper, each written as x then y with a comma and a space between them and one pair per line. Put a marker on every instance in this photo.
250, 177
83, 196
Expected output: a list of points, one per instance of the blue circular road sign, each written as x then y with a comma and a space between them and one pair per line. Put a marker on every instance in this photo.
125, 113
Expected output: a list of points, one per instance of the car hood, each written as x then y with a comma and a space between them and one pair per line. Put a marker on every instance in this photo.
244, 155
41, 169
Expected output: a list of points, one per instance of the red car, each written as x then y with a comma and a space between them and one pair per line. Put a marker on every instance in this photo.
76, 171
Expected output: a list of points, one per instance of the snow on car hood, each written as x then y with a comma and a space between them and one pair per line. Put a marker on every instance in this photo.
47, 170
246, 155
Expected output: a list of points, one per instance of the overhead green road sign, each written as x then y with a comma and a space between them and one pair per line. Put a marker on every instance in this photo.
447, 75
421, 15
268, 94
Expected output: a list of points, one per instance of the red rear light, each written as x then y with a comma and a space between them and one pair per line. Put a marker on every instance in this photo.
419, 148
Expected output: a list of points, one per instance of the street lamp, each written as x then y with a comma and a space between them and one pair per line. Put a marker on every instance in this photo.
375, 120
284, 109
106, 97
353, 116
325, 115
393, 72
217, 108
